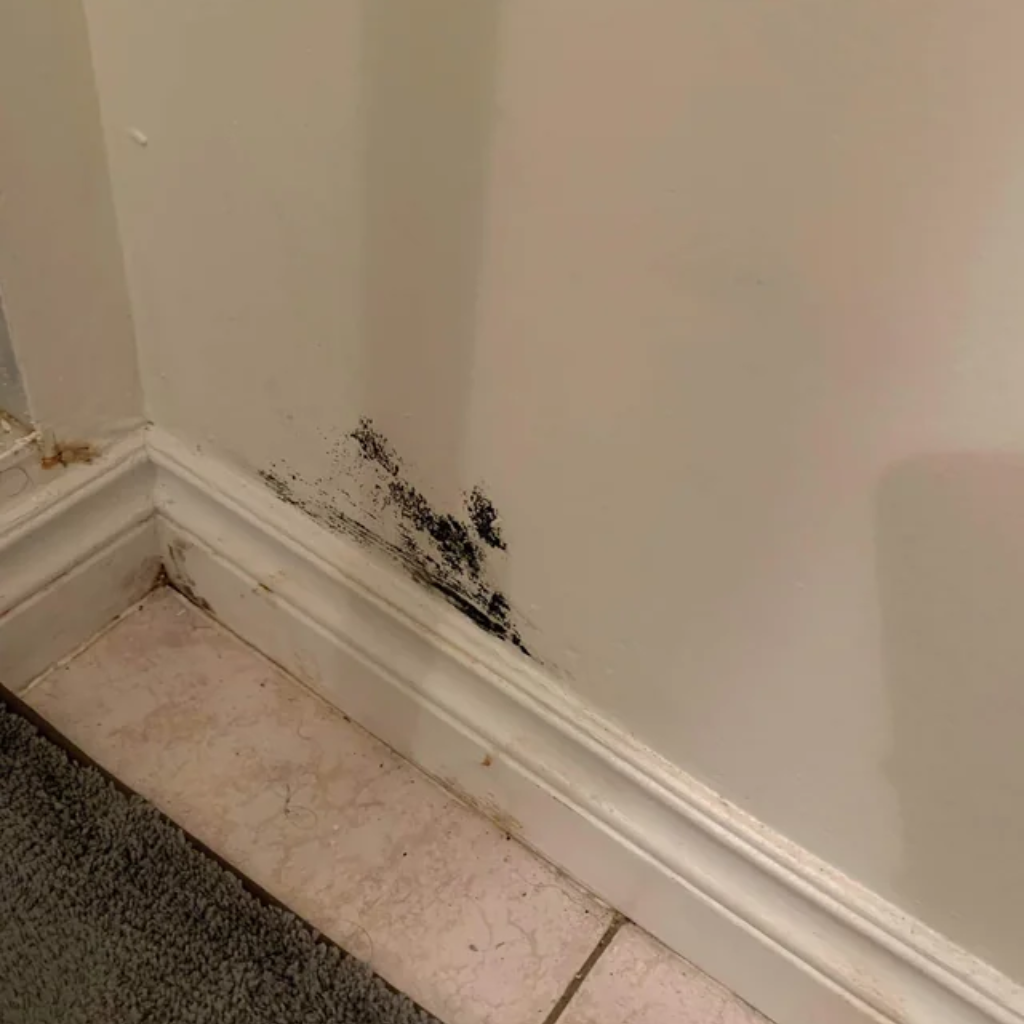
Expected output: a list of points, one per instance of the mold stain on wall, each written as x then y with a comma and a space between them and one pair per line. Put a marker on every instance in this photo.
446, 553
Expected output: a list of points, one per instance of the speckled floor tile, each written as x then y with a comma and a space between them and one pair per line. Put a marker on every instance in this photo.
639, 981
329, 820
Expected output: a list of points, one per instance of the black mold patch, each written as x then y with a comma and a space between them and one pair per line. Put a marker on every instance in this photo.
452, 537
484, 517
320, 509
374, 446
438, 549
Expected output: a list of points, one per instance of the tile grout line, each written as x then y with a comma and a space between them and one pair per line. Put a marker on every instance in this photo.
581, 975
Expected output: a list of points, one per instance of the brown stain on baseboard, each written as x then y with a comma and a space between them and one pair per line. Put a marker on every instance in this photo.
179, 578
68, 453
486, 805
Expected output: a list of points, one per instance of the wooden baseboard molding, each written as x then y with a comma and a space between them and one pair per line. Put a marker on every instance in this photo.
782, 929
76, 549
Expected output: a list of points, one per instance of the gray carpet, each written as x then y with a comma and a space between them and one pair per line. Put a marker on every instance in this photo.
109, 914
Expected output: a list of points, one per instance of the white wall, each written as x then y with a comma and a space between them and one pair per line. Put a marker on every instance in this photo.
722, 301
62, 278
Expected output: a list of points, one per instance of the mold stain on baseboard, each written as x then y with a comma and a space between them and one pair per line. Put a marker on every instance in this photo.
445, 552
178, 576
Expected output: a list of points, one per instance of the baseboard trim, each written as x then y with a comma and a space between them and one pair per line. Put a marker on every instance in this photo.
782, 929
75, 551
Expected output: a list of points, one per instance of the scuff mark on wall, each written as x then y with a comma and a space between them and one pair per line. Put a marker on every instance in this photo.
445, 552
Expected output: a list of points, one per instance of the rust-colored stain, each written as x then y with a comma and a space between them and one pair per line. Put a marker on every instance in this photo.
67, 453
487, 761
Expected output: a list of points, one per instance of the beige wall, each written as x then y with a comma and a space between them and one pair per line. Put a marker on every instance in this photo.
61, 272
721, 300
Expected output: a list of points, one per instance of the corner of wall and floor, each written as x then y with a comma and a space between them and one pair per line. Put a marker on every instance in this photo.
785, 931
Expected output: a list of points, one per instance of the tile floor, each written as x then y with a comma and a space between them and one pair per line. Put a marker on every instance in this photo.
468, 922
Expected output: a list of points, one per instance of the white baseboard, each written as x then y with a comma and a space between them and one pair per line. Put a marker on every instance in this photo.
76, 549
782, 929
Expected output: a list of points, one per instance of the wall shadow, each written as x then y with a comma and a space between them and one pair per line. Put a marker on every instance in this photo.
950, 564
428, 107
12, 392
428, 80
